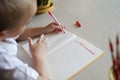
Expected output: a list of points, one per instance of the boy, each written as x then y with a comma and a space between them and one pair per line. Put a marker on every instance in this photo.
14, 14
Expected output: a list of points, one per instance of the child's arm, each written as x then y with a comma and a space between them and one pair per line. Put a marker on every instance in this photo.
38, 51
33, 32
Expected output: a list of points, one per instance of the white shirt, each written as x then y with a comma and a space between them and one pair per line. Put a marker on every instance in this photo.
8, 60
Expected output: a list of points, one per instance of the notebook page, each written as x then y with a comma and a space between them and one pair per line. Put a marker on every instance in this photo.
68, 61
55, 41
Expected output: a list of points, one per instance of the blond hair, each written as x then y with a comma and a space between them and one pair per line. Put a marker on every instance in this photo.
12, 12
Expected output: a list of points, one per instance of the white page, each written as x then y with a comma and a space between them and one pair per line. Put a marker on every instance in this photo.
69, 55
71, 58
54, 40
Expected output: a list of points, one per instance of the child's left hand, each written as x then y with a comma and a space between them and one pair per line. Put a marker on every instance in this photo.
53, 27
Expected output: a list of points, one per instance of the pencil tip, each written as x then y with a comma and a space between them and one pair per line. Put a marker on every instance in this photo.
117, 39
110, 45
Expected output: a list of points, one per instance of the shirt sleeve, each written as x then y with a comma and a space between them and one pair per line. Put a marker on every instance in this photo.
26, 73
21, 70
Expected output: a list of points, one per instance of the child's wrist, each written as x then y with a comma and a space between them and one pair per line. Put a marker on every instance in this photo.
46, 31
38, 56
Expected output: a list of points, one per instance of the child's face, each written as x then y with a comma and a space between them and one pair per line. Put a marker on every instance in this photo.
21, 28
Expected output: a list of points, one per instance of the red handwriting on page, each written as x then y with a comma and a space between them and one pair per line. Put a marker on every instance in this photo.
85, 47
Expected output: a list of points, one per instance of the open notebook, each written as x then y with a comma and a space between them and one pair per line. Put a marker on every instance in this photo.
68, 55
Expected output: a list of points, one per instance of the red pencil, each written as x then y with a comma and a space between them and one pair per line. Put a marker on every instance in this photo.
111, 50
54, 18
118, 54
56, 21
117, 47
115, 66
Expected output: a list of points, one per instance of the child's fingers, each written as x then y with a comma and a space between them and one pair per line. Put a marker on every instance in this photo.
30, 41
54, 23
63, 26
42, 38
59, 28
45, 41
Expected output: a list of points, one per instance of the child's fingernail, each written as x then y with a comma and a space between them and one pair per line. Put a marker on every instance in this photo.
28, 38
42, 35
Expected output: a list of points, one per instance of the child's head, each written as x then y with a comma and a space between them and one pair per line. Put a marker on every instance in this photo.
14, 14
